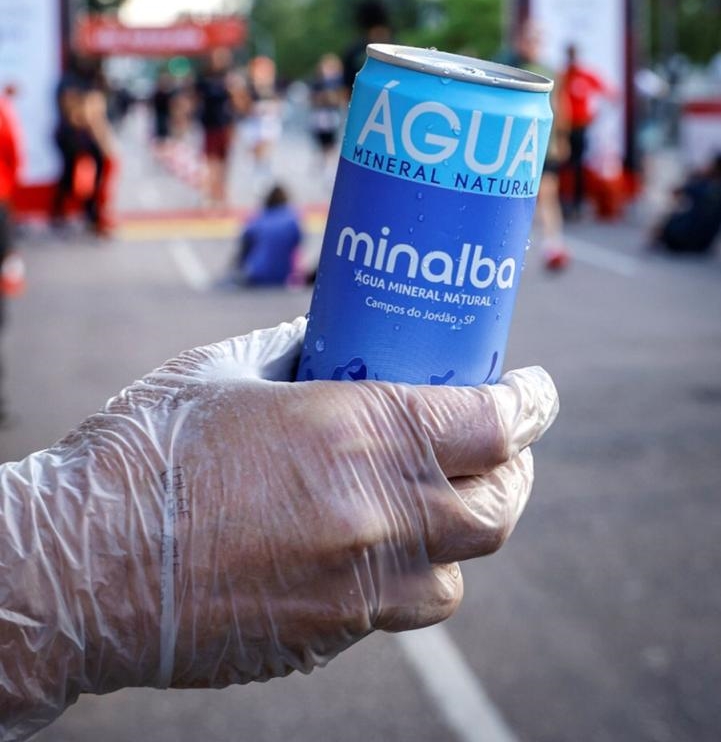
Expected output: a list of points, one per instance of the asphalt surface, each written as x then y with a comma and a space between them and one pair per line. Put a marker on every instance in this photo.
597, 622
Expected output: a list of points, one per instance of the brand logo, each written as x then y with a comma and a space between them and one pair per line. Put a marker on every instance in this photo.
428, 147
435, 266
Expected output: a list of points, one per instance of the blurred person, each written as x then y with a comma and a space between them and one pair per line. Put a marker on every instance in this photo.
216, 118
162, 102
652, 94
102, 148
268, 245
84, 138
581, 88
214, 524
123, 101
182, 108
327, 99
373, 27
694, 221
68, 134
263, 125
526, 54
11, 161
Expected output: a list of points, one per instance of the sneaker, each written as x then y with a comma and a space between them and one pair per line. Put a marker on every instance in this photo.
557, 260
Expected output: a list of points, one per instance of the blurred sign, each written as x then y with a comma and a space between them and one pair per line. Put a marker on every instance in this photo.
107, 36
598, 30
30, 62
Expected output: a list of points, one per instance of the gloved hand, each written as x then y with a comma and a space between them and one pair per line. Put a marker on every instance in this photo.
217, 524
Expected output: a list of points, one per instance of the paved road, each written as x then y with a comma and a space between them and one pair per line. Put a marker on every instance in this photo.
599, 621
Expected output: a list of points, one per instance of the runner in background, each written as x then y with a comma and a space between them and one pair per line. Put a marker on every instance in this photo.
162, 105
326, 114
216, 117
549, 214
10, 165
582, 89
263, 125
84, 139
373, 24
103, 149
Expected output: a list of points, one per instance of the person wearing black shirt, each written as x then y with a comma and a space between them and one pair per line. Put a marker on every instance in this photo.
216, 117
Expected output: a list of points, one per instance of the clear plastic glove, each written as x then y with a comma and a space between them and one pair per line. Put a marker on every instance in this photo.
217, 524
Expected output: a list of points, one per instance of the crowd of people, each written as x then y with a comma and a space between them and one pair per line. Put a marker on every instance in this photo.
227, 101
239, 102
691, 223
574, 101
241, 105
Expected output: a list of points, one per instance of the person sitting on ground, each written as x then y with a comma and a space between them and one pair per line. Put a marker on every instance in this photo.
268, 244
695, 220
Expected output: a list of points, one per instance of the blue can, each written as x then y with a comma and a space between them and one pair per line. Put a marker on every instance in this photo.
429, 220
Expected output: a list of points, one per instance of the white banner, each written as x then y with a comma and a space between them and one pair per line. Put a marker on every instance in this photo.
30, 62
597, 28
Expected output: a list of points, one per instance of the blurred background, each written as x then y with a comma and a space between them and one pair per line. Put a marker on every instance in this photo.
147, 136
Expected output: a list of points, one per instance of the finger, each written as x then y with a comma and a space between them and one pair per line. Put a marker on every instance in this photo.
412, 601
481, 516
473, 429
270, 354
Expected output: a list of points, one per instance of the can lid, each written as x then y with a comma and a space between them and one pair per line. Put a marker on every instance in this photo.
459, 67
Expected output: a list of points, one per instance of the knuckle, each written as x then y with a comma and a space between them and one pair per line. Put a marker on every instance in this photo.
451, 588
496, 536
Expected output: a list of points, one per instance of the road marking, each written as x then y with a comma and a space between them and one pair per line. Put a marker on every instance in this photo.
198, 227
587, 252
190, 266
453, 686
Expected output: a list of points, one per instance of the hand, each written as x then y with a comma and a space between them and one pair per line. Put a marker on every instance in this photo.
218, 524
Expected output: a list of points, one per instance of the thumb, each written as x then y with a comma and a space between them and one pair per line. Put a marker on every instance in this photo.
270, 354
474, 429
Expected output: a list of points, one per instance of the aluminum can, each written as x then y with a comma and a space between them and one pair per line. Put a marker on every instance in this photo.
429, 220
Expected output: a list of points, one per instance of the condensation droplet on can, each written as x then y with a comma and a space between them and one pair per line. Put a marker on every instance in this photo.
320, 344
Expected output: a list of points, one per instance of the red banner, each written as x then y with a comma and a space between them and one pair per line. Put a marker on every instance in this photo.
107, 36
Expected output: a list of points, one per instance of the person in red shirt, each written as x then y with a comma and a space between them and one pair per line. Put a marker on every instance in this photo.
10, 159
10, 164
580, 89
